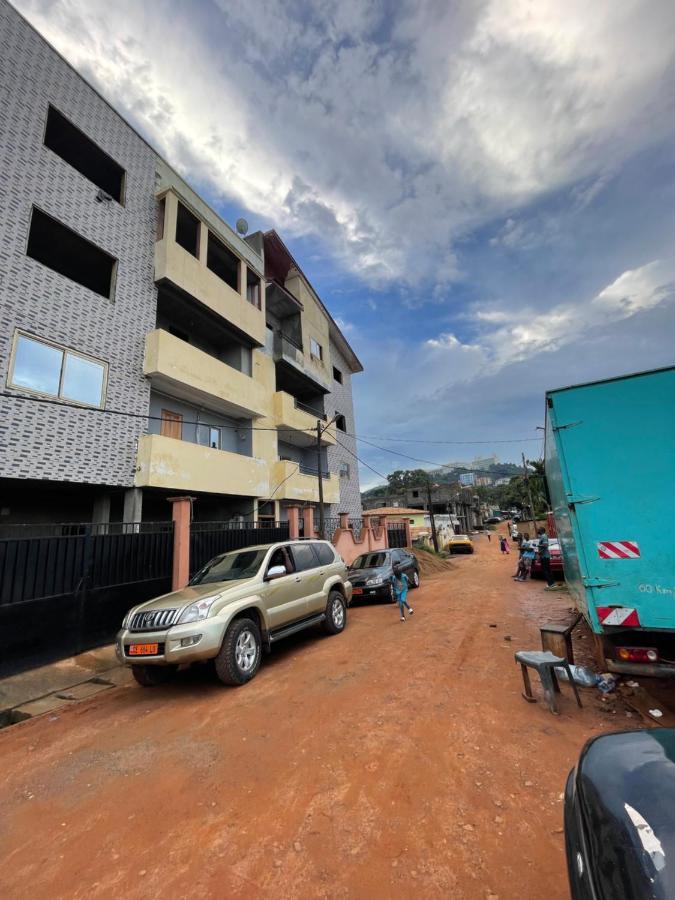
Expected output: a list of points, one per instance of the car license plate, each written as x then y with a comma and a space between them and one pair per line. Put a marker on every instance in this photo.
143, 649
357, 591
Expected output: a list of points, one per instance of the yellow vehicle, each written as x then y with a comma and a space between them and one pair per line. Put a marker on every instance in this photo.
460, 543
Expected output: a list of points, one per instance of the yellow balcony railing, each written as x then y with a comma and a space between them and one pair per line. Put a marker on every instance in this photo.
165, 462
289, 483
299, 421
183, 370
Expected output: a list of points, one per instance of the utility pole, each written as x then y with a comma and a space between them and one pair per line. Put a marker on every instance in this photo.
319, 431
529, 495
434, 536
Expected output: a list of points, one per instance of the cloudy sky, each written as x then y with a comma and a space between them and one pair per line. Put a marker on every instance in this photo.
482, 191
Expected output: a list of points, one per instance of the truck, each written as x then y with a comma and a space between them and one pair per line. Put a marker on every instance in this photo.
610, 468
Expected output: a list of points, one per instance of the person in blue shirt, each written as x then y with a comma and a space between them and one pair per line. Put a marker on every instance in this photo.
399, 581
527, 555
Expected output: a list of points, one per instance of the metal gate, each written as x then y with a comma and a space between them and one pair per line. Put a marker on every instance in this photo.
208, 539
65, 588
396, 534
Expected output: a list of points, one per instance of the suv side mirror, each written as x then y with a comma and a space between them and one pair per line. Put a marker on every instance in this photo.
275, 572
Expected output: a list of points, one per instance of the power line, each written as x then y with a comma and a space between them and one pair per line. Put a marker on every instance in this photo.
363, 463
148, 417
430, 462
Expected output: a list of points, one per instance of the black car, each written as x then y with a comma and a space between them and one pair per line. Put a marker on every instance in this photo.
620, 817
370, 573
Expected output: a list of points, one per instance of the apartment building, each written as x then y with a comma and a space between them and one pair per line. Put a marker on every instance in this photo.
146, 349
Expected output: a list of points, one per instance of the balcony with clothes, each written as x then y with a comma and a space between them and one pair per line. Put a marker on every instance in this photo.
195, 256
194, 356
190, 448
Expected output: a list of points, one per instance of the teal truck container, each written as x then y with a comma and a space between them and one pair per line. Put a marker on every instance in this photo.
610, 467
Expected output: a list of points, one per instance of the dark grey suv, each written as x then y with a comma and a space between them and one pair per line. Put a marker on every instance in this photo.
370, 574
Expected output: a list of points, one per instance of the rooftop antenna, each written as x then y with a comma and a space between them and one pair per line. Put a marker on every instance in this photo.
242, 226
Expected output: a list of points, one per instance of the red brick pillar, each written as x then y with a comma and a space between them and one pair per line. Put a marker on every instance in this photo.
408, 533
344, 521
383, 525
308, 517
181, 513
293, 522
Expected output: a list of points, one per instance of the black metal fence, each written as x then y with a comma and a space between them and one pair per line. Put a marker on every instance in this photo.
208, 539
65, 588
396, 534
330, 526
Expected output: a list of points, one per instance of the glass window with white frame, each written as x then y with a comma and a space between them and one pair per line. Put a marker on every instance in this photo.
315, 349
45, 368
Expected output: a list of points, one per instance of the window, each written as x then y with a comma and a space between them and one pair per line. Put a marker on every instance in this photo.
171, 424
80, 152
49, 369
66, 252
325, 554
304, 557
223, 262
340, 422
253, 288
266, 516
415, 493
337, 375
315, 349
187, 230
344, 470
209, 436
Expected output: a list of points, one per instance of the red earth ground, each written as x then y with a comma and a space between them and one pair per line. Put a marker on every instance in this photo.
394, 760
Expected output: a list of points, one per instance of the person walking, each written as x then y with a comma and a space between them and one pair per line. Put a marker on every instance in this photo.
545, 557
504, 545
399, 581
487, 531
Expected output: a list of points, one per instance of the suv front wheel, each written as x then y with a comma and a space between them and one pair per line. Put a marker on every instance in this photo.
239, 657
336, 613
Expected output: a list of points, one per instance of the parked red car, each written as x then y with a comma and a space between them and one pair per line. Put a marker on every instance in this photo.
556, 561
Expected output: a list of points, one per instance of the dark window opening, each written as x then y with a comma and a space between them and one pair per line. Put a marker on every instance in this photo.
223, 262
340, 423
66, 252
253, 288
177, 332
80, 152
337, 375
187, 230
161, 212
415, 493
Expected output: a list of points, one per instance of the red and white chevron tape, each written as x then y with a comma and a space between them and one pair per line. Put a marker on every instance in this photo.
617, 615
618, 550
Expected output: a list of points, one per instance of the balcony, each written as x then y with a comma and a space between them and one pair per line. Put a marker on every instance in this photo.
289, 352
299, 484
188, 373
165, 462
189, 273
298, 422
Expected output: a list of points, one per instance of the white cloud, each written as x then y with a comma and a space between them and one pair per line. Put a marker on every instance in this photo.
389, 150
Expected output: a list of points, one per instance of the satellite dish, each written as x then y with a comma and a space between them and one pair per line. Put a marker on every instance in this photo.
242, 226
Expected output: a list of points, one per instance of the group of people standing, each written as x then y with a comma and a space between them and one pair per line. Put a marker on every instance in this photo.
528, 550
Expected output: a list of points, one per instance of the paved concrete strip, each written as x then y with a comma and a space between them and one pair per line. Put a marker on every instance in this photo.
26, 687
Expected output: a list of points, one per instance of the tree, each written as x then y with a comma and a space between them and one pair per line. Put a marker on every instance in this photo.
402, 479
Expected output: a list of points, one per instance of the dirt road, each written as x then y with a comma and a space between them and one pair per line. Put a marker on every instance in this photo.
395, 760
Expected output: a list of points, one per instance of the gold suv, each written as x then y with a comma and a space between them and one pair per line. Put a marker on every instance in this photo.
238, 604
